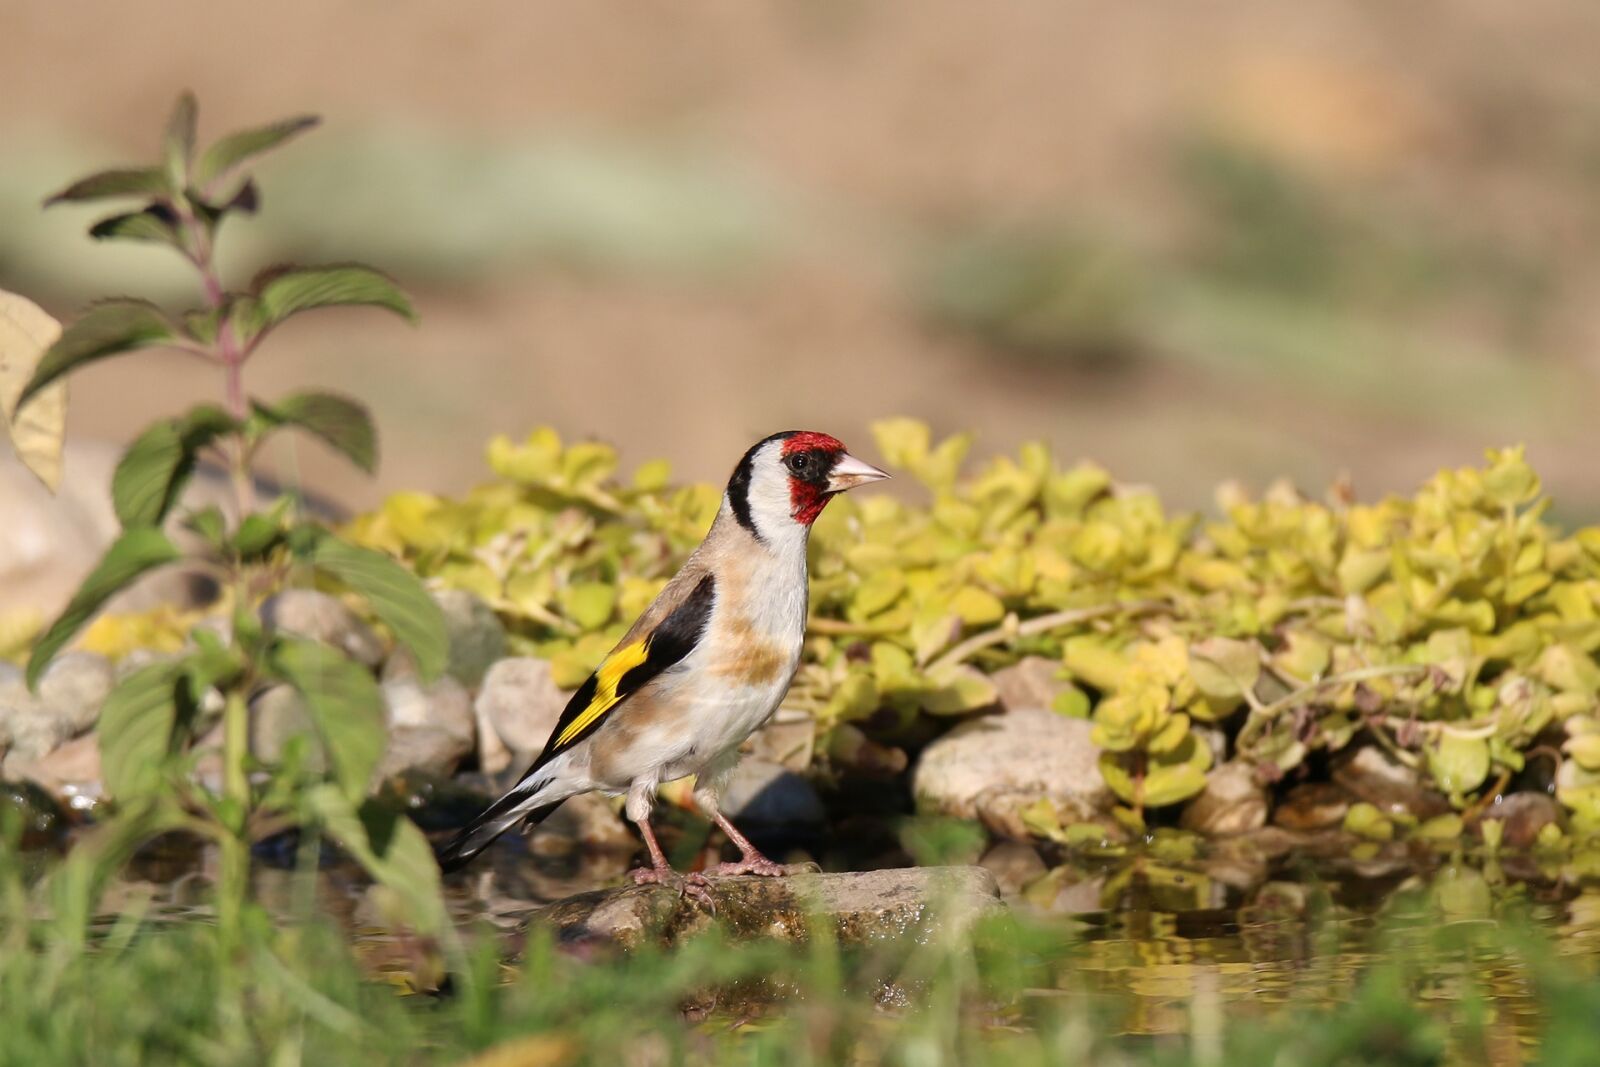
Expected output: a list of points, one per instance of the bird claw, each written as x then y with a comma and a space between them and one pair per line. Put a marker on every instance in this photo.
754, 864
693, 886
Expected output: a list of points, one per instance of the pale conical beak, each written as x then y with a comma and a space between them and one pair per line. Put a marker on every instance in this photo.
849, 472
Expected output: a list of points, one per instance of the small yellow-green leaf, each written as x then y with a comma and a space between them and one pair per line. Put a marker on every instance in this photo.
589, 604
1224, 668
1366, 821
1459, 764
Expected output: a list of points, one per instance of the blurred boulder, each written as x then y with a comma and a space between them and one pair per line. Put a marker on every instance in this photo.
429, 749
49, 543
517, 708
477, 637
1372, 775
75, 685
991, 767
278, 715
1312, 806
763, 794
1523, 815
1031, 682
1232, 802
317, 616
70, 773
443, 703
1014, 864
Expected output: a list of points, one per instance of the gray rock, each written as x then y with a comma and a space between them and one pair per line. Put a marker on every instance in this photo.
443, 703
317, 616
1523, 815
277, 716
137, 660
431, 749
70, 773
1374, 776
519, 703
863, 907
991, 767
1031, 682
30, 731
49, 543
1013, 865
763, 793
1232, 802
74, 686
477, 637
591, 821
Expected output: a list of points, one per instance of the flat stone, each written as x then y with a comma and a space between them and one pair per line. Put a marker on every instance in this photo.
317, 616
1233, 802
863, 907
991, 767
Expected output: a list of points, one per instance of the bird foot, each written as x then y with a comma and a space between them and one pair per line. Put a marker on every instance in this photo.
756, 864
693, 886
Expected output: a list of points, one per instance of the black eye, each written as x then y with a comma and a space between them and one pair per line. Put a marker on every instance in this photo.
800, 462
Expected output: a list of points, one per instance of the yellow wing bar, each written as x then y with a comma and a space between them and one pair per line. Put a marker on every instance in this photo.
607, 678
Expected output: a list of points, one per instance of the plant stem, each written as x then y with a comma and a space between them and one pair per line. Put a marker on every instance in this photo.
234, 878
1041, 624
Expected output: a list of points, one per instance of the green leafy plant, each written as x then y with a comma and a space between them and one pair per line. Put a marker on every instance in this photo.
152, 724
1453, 627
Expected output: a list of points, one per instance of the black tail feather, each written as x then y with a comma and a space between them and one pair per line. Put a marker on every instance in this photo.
481, 832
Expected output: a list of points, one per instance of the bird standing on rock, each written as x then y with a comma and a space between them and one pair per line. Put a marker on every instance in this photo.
703, 668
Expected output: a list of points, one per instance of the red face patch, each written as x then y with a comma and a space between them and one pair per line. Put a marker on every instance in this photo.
808, 440
809, 457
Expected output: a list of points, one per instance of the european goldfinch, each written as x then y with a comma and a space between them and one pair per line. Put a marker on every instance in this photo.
704, 667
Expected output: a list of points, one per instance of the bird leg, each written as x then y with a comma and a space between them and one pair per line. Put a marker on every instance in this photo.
660, 872
750, 860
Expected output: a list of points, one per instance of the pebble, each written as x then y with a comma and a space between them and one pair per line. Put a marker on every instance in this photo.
1374, 776
518, 705
315, 615
991, 767
75, 686
1233, 802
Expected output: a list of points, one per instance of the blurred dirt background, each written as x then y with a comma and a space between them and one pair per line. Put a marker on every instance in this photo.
1191, 241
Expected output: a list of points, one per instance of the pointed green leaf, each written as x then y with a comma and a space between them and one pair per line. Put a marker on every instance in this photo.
393, 851
139, 549
289, 291
107, 329
178, 145
155, 224
344, 701
113, 184
152, 473
396, 595
136, 726
341, 422
235, 148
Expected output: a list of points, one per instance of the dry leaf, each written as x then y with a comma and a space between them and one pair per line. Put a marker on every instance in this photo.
26, 333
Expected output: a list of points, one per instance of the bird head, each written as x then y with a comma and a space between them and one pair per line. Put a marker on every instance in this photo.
783, 482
